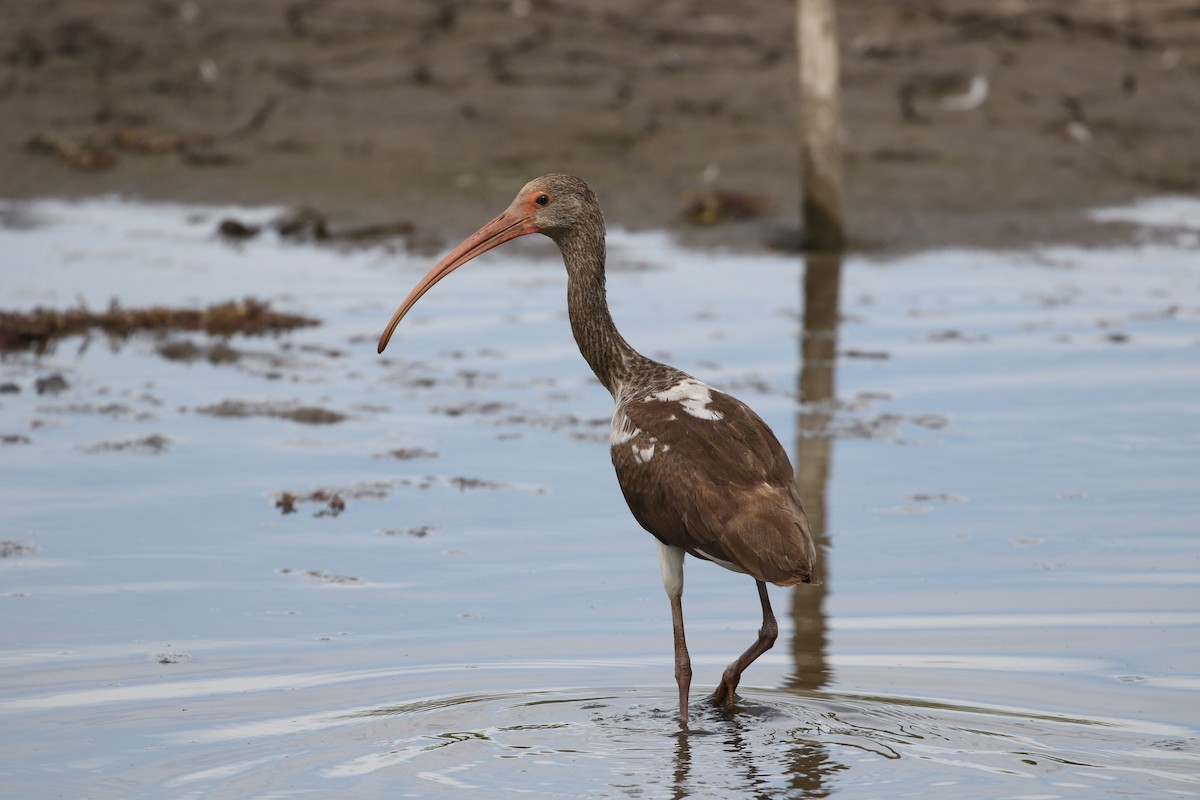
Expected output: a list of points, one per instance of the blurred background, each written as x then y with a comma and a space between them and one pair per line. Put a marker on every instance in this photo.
976, 122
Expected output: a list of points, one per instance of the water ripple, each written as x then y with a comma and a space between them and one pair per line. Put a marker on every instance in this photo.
589, 741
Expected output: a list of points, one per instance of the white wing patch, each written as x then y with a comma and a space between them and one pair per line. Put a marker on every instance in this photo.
693, 395
622, 430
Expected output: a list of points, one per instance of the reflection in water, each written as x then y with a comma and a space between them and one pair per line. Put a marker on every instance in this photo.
774, 745
744, 758
617, 742
814, 449
683, 765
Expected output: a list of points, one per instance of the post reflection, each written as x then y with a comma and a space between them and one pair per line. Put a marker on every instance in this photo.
814, 451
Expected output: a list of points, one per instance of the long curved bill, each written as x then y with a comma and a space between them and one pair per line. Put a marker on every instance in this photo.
509, 225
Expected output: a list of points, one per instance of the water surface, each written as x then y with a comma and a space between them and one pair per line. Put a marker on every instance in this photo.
999, 451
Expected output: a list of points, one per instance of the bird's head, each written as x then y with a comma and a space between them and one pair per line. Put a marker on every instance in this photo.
556, 205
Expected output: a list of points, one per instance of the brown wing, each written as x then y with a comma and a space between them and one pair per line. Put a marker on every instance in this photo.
714, 481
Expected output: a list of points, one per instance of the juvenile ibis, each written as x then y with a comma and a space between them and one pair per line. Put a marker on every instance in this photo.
699, 469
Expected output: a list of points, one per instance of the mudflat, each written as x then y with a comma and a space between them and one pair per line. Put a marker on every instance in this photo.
966, 123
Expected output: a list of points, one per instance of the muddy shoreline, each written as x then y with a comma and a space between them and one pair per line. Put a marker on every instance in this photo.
432, 113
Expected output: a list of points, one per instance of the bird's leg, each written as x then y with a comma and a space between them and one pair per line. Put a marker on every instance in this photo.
670, 563
683, 662
767, 634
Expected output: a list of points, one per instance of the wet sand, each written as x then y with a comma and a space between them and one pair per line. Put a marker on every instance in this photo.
431, 112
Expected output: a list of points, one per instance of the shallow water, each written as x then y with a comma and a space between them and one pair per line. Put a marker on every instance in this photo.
1002, 460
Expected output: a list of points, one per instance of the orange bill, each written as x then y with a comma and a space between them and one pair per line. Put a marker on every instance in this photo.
512, 223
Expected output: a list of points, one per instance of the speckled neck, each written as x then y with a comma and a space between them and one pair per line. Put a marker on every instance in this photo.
601, 344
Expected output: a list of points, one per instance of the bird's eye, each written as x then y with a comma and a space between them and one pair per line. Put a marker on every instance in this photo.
542, 199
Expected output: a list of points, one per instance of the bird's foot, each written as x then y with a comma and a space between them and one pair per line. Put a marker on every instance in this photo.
724, 695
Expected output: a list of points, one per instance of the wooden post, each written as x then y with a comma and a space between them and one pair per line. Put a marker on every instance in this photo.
820, 125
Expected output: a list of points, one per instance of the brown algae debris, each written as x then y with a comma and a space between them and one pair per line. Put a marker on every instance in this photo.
408, 453
331, 502
24, 330
307, 415
9, 548
147, 445
323, 576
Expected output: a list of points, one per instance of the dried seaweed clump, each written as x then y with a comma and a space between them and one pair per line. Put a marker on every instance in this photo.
332, 502
37, 328
9, 549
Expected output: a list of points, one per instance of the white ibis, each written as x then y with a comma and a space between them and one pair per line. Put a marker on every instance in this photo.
698, 468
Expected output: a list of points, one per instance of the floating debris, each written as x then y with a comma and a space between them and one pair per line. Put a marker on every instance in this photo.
22, 330
952, 335
286, 503
416, 531
332, 502
186, 351
936, 497
110, 410
473, 407
8, 549
305, 224
408, 453
308, 415
463, 483
880, 427
233, 229
147, 445
335, 506
52, 384
321, 575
